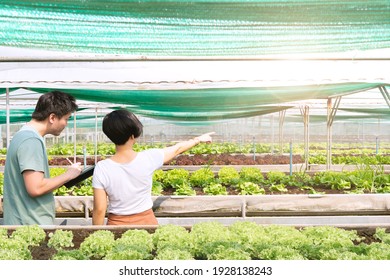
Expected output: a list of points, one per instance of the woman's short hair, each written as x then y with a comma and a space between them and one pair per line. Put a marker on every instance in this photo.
120, 125
55, 102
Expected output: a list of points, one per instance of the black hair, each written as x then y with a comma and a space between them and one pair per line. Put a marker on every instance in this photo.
54, 102
120, 125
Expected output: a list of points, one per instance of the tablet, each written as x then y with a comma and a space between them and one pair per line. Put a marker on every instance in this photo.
85, 174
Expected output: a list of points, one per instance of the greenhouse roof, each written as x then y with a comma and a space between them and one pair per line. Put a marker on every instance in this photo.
196, 60
198, 90
166, 28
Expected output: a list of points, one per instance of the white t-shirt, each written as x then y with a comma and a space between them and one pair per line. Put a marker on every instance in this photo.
128, 185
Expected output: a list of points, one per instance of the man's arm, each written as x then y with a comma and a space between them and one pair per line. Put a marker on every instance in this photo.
37, 184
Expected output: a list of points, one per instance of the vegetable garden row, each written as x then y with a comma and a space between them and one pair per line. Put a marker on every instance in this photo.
256, 153
104, 148
251, 181
203, 241
246, 194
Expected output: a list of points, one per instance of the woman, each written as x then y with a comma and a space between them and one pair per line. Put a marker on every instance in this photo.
123, 182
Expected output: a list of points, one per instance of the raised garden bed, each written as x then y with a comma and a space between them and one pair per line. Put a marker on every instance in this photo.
204, 241
234, 159
375, 208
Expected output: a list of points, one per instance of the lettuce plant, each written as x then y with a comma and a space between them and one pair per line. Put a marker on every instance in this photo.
382, 235
202, 177
172, 236
176, 177
203, 233
60, 239
75, 254
251, 174
225, 250
228, 176
168, 253
249, 188
32, 235
14, 249
134, 244
215, 189
184, 189
97, 244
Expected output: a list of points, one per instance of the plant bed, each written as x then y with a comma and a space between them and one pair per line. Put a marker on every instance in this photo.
244, 206
203, 241
237, 159
207, 159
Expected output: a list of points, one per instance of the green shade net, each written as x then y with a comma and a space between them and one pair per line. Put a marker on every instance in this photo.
24, 115
4, 90
16, 115
85, 122
344, 118
372, 111
196, 28
212, 104
207, 116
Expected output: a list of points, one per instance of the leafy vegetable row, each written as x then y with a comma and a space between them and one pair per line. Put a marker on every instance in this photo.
104, 148
205, 241
249, 181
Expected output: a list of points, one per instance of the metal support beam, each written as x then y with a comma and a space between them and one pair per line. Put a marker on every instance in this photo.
282, 115
305, 114
74, 137
385, 95
96, 134
331, 113
8, 125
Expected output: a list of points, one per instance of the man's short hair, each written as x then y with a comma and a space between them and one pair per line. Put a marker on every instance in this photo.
54, 102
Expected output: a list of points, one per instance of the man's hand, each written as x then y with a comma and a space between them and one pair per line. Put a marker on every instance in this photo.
74, 170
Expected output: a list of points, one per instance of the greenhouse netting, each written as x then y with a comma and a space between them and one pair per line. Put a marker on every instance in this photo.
197, 27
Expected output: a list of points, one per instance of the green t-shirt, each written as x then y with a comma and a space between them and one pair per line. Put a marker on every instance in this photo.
26, 151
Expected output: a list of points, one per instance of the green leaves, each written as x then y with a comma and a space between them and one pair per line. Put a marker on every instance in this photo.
97, 244
249, 188
365, 179
202, 177
251, 174
32, 235
132, 245
228, 175
60, 239
215, 189
242, 240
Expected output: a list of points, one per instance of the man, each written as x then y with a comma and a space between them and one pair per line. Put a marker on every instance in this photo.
28, 189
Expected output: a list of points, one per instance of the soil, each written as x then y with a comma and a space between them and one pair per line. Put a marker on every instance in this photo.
231, 159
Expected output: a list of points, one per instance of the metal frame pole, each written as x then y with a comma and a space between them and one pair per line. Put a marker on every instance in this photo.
74, 137
305, 114
331, 113
8, 125
96, 133
282, 115
385, 95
